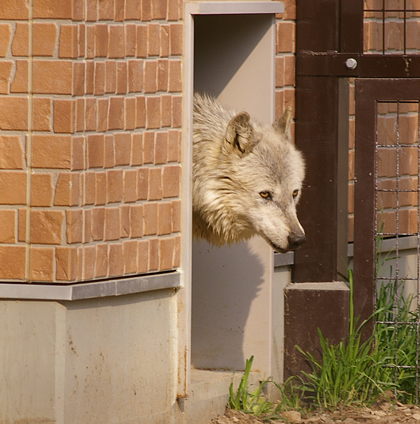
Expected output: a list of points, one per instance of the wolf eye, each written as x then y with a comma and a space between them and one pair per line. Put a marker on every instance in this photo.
266, 195
295, 193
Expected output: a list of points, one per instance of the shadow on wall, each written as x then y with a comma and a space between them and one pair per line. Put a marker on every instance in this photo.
226, 282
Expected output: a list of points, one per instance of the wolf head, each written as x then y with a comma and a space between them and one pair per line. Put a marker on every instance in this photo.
252, 184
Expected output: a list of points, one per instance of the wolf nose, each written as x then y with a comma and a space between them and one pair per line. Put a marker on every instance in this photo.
296, 240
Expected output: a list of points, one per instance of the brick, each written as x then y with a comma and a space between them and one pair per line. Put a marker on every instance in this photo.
116, 46
176, 41
122, 148
280, 72
80, 263
103, 114
82, 40
64, 116
90, 42
19, 83
164, 40
41, 189
7, 226
153, 39
112, 224
174, 146
150, 219
130, 113
119, 10
11, 152
101, 269
20, 43
115, 264
155, 184
74, 227
140, 111
100, 188
12, 262
136, 221
143, 183
114, 183
142, 256
98, 223
166, 110
68, 45
77, 153
5, 74
150, 76
99, 85
289, 66
13, 187
130, 179
164, 219
121, 77
163, 75
44, 38
141, 40
159, 9
153, 255
175, 76
90, 78
5, 35
132, 10
51, 151
80, 114
55, 9
116, 113
125, 221
41, 264
52, 77
22, 224
101, 40
173, 10
152, 112
109, 151
65, 263
110, 76
67, 189
91, 114
177, 252
87, 217
166, 253
161, 148
286, 37
176, 111
14, 113
89, 256
130, 256
137, 149
78, 10
135, 76
78, 78
106, 10
91, 10
171, 181
89, 188
176, 216
46, 226
130, 40
148, 147
146, 10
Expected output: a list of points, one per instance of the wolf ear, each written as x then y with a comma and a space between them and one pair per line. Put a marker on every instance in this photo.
282, 125
239, 134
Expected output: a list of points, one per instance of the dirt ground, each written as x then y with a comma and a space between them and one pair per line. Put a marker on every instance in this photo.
383, 413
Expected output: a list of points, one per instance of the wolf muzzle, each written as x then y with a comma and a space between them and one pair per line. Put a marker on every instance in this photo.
295, 240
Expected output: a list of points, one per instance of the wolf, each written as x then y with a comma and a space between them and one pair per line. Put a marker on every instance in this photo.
247, 177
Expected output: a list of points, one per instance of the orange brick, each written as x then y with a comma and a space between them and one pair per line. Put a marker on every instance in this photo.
91, 10
89, 256
44, 38
41, 264
22, 224
125, 221
279, 72
116, 113
87, 217
12, 262
130, 256
7, 226
173, 10
11, 152
155, 184
80, 263
119, 10
20, 43
81, 38
137, 149
174, 145
64, 116
5, 74
130, 185
166, 253
13, 187
140, 112
100, 188
177, 252
153, 39
164, 40
159, 8
141, 40
106, 10
52, 77
46, 226
175, 76
109, 151
110, 76
146, 10
67, 189
171, 181
77, 153
176, 32
136, 221
161, 148
135, 76
74, 227
90, 42
78, 10
51, 151
150, 76
89, 188
112, 224
121, 77
68, 45
143, 256
166, 111
80, 114
176, 216
163, 75
116, 261
66, 263
133, 10
5, 34
78, 79
98, 223
143, 184
153, 254
55, 9
116, 46
41, 190
91, 114
289, 68
130, 40
101, 40
176, 111
102, 114
90, 77
101, 269
152, 112
96, 150
150, 220
286, 37
122, 148
20, 80
114, 183
164, 219
130, 113
99, 85
14, 113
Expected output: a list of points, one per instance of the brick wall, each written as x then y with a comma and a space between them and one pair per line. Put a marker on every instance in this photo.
90, 120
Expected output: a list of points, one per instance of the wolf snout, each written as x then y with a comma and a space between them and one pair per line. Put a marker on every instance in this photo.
295, 240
